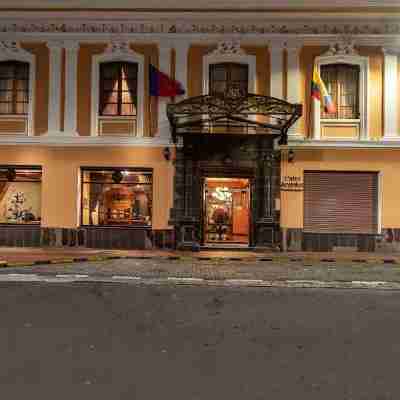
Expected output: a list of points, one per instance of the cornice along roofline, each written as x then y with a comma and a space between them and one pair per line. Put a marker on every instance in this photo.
223, 27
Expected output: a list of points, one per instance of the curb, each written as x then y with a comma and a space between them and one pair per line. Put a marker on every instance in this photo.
274, 259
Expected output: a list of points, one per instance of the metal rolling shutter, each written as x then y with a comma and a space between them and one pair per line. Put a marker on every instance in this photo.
340, 202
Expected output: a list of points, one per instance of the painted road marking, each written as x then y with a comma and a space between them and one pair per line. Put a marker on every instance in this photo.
70, 278
126, 277
178, 279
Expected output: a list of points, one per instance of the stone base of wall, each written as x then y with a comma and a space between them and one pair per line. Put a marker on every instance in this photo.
96, 237
297, 240
20, 235
388, 241
163, 239
57, 237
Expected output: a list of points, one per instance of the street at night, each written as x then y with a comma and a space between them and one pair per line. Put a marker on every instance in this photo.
132, 341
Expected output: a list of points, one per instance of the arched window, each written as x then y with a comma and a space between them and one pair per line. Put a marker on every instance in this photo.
14, 88
228, 77
343, 84
118, 89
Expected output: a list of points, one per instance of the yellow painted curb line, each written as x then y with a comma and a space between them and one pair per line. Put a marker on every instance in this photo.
20, 264
62, 261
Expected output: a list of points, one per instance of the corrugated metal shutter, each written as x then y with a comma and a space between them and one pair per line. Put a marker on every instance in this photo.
340, 202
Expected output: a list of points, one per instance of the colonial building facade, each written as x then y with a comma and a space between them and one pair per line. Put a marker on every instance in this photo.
243, 158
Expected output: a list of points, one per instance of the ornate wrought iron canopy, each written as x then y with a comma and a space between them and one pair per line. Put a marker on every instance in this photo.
248, 114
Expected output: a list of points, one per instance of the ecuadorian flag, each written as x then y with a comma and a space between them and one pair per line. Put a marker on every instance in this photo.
319, 91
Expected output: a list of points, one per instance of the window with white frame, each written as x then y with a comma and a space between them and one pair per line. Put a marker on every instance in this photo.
14, 88
229, 63
17, 84
118, 92
346, 79
342, 83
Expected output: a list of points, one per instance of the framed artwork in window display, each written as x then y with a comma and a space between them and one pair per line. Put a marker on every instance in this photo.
20, 195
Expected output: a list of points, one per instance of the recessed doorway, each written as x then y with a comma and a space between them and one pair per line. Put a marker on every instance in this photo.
226, 216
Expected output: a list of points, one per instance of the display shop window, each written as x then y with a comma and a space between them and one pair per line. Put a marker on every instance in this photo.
342, 83
20, 195
14, 88
116, 196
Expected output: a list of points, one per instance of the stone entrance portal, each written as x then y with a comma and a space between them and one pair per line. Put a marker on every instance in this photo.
231, 139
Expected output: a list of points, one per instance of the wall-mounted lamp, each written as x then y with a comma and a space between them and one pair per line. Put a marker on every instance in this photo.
167, 153
290, 156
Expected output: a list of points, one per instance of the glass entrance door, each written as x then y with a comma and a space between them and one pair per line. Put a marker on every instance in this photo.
226, 210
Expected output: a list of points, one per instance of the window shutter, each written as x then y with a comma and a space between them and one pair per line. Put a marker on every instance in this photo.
340, 202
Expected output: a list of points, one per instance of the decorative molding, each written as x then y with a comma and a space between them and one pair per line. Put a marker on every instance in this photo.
119, 47
225, 25
228, 52
117, 51
83, 141
343, 47
228, 48
12, 51
343, 144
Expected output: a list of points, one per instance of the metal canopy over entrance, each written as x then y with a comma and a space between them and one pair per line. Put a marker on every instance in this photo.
232, 113
226, 140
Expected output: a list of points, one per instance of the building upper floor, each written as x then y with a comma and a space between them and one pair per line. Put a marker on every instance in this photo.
69, 79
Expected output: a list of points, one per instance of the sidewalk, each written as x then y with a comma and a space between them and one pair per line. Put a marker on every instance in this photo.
28, 255
211, 265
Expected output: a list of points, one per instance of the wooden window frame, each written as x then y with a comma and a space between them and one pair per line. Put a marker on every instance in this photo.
339, 68
15, 64
229, 67
119, 90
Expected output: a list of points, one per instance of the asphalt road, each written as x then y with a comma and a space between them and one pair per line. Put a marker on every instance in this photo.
126, 341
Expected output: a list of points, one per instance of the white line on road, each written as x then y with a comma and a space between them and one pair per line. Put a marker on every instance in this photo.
126, 277
178, 279
243, 281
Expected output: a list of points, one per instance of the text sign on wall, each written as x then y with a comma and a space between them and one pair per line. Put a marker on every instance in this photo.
292, 184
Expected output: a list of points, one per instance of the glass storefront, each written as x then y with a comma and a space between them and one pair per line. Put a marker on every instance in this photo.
121, 196
20, 195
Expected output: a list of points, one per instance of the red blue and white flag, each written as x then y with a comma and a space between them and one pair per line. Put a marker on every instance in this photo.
319, 92
161, 85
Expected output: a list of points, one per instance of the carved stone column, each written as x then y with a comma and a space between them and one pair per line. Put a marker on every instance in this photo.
54, 117
181, 64
276, 52
164, 66
293, 77
71, 88
391, 97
